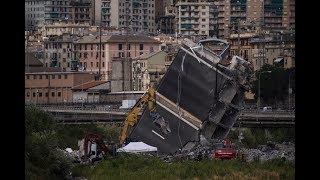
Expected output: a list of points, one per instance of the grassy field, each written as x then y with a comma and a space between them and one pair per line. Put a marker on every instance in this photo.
141, 167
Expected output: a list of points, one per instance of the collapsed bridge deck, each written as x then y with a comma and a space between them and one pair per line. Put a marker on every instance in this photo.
197, 95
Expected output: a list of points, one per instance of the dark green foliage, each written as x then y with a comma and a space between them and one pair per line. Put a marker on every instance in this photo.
256, 136
42, 158
68, 135
273, 86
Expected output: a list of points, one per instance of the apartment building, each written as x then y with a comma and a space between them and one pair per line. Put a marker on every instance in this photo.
289, 14
56, 11
112, 46
263, 14
34, 14
60, 28
58, 52
148, 68
81, 11
192, 18
223, 18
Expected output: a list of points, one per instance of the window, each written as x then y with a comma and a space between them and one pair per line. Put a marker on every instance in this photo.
91, 64
102, 64
203, 13
53, 76
120, 47
59, 76
28, 77
52, 94
129, 47
47, 76
28, 94
80, 47
40, 94
80, 55
47, 94
91, 54
203, 20
151, 49
91, 47
97, 64
102, 54
68, 64
85, 47
59, 94
40, 76
203, 7
141, 46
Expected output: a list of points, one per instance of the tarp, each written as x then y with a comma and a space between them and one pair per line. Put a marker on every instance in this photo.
137, 147
278, 59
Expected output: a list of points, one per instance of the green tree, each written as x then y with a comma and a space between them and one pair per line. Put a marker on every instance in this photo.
274, 86
42, 158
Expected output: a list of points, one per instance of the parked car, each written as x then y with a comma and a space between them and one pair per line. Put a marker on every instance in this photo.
266, 108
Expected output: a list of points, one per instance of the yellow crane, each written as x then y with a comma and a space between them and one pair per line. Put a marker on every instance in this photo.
132, 117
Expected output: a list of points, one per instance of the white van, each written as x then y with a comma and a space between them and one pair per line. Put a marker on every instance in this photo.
267, 108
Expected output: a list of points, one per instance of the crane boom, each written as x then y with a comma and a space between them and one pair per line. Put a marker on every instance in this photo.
132, 117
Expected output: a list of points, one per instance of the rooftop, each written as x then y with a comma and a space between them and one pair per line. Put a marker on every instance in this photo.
88, 85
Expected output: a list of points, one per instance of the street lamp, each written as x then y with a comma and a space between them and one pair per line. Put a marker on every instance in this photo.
259, 88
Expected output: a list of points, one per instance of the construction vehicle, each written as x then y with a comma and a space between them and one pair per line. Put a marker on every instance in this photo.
92, 148
225, 150
200, 94
132, 117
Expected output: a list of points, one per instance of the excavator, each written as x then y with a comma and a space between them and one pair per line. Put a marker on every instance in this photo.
91, 147
92, 144
148, 98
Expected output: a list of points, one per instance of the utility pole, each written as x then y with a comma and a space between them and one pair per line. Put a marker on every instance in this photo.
99, 74
27, 51
259, 88
238, 36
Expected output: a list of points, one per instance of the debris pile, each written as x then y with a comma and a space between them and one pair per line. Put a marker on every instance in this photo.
270, 151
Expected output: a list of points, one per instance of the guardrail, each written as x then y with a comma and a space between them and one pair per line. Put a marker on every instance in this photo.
102, 108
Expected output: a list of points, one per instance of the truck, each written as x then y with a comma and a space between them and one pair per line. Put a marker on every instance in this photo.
225, 150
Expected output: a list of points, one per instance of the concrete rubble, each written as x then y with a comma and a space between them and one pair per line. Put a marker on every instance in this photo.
261, 153
270, 151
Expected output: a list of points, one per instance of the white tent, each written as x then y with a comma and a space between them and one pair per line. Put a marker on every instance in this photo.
137, 147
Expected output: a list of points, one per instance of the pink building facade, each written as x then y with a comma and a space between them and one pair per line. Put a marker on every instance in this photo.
131, 46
